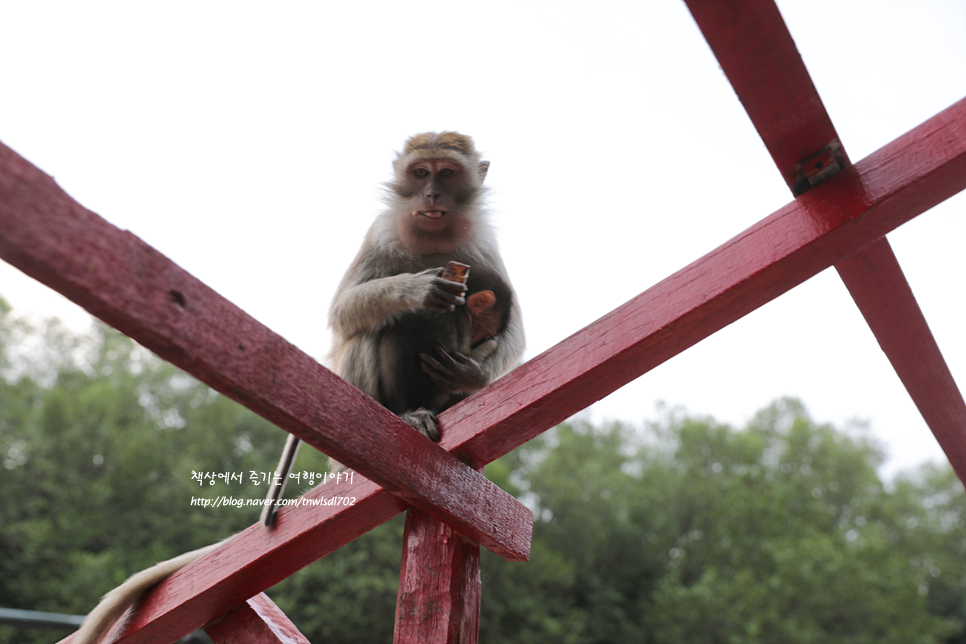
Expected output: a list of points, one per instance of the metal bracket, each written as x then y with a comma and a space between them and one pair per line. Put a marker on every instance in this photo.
820, 166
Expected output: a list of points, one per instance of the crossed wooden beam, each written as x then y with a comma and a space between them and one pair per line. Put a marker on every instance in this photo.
840, 216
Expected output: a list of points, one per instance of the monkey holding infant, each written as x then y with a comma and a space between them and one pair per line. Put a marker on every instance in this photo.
414, 339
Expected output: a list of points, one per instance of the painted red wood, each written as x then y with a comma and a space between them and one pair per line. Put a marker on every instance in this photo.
132, 287
439, 585
824, 226
257, 621
257, 559
759, 57
882, 293
891, 186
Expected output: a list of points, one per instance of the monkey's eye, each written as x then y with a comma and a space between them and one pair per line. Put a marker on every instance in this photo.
446, 172
421, 173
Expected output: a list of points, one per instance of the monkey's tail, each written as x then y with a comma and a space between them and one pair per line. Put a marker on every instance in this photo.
100, 620
289, 452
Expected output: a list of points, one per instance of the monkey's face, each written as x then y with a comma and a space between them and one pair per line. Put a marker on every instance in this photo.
437, 188
435, 195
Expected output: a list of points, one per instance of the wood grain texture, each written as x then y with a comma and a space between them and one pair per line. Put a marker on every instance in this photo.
439, 585
257, 621
135, 289
822, 227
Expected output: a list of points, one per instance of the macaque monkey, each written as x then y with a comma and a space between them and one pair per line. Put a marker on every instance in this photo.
402, 332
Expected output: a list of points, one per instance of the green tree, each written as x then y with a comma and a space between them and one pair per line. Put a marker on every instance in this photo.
693, 531
99, 440
686, 530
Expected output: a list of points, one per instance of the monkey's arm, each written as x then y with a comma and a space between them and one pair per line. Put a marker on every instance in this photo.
367, 306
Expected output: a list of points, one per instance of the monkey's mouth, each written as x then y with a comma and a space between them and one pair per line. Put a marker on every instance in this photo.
430, 214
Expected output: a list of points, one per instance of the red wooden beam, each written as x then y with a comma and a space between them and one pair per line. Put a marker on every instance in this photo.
758, 56
822, 227
891, 186
880, 290
439, 585
257, 621
135, 289
882, 293
256, 559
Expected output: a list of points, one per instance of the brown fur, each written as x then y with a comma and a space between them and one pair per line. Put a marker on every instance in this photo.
432, 145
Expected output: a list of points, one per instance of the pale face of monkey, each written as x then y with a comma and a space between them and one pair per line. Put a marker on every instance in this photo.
438, 186
435, 194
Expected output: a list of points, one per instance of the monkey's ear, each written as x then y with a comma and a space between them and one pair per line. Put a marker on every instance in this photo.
484, 166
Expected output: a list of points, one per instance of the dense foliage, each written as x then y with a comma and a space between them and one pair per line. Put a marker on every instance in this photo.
686, 530
695, 532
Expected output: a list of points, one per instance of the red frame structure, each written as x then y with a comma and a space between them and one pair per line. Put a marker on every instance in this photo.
839, 217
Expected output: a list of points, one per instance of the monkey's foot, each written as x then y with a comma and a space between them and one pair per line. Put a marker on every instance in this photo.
423, 421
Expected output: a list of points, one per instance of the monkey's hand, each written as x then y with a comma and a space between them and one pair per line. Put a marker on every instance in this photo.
456, 373
438, 294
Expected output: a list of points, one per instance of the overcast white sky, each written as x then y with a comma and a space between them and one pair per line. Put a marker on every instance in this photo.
248, 142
